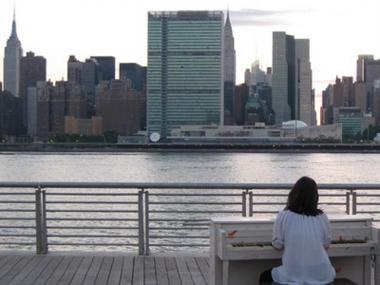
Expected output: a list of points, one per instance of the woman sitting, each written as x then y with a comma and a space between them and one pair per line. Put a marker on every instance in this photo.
303, 232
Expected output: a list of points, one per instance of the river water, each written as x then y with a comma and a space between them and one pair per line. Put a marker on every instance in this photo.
190, 167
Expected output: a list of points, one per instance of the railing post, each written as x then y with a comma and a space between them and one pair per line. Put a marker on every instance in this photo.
141, 221
44, 238
354, 203
348, 195
244, 203
250, 206
39, 242
147, 223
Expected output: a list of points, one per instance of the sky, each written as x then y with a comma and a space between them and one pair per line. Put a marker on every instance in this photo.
338, 31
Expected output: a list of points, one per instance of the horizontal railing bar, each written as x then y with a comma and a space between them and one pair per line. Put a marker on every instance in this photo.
216, 186
90, 219
176, 228
176, 220
179, 245
17, 243
195, 194
90, 194
16, 202
194, 203
367, 204
193, 212
367, 195
93, 244
17, 227
368, 212
92, 236
18, 210
279, 203
91, 202
266, 212
17, 235
179, 236
90, 228
17, 193
90, 211
17, 218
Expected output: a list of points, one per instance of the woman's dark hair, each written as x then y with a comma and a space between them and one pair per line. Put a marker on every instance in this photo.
303, 198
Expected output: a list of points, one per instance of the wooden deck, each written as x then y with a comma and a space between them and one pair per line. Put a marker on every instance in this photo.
99, 270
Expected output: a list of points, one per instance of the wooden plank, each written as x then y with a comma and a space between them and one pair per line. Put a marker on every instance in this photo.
127, 270
37, 271
195, 272
150, 271
138, 271
25, 270
14, 269
173, 274
184, 273
80, 274
4, 259
104, 271
93, 271
13, 260
204, 267
161, 271
115, 275
48, 270
60, 270
70, 271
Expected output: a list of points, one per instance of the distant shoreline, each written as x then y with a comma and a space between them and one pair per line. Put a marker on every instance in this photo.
187, 147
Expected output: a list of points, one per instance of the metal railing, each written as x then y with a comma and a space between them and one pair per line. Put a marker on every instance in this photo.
141, 217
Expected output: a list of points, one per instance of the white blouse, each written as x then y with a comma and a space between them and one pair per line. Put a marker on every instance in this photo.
305, 240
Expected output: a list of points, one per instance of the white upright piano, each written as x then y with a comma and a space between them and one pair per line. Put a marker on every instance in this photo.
240, 249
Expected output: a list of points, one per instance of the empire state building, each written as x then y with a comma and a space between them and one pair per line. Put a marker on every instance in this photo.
12, 56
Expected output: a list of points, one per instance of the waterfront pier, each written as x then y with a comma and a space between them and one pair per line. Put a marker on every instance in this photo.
136, 233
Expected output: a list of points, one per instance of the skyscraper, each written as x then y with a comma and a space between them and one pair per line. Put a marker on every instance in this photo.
185, 70
361, 72
304, 100
135, 73
283, 93
87, 74
32, 70
229, 66
106, 67
292, 79
121, 107
12, 57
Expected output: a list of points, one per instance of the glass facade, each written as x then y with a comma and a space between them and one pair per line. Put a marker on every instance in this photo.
185, 70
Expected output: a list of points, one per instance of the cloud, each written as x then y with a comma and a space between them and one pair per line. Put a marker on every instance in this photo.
256, 17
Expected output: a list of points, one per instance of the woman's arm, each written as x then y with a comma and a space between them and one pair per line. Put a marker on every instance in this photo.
326, 231
278, 232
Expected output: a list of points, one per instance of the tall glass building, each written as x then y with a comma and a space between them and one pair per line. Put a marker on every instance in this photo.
185, 70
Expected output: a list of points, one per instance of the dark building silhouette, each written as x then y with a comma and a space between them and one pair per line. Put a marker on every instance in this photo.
240, 99
68, 100
39, 110
338, 98
11, 115
32, 70
106, 67
135, 73
87, 74
121, 107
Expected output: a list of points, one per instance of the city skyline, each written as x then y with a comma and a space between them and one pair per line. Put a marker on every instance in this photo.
252, 25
